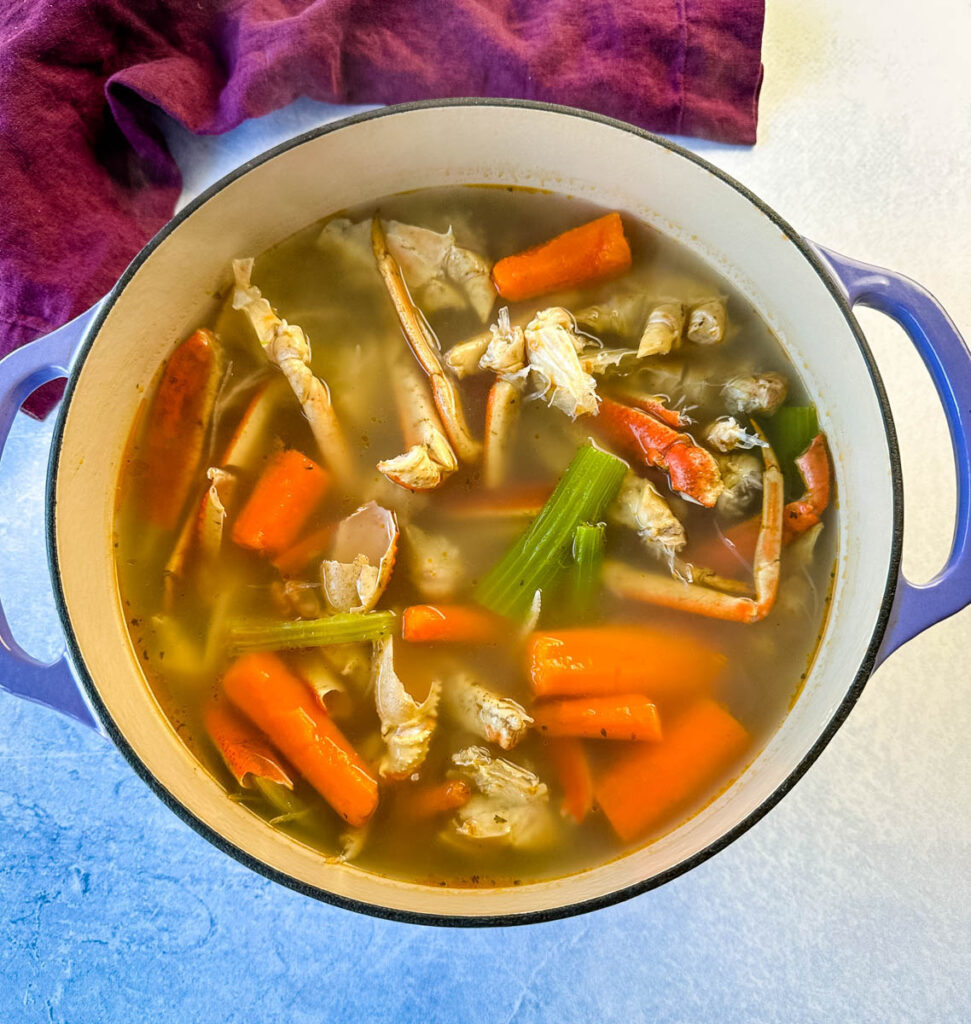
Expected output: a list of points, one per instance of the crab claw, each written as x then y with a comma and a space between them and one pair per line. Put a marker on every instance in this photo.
362, 557
406, 725
692, 470
639, 507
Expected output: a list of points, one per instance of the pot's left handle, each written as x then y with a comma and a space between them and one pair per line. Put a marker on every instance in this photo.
22, 372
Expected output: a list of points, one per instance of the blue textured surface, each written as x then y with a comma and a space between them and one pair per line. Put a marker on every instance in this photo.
849, 902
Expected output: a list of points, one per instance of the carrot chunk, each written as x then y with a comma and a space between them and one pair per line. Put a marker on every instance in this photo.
572, 766
280, 704
282, 501
649, 782
449, 623
298, 556
621, 659
585, 255
422, 802
616, 717
246, 751
177, 424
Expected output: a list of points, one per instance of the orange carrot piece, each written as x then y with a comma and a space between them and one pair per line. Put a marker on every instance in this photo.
593, 252
177, 423
572, 766
280, 704
282, 501
308, 549
243, 747
604, 660
450, 623
629, 716
649, 782
421, 802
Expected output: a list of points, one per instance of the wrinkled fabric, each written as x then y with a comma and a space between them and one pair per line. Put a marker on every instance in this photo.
85, 175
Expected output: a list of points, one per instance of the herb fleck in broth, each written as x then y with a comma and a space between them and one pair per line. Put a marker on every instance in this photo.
180, 603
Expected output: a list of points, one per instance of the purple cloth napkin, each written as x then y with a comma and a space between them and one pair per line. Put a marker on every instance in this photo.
85, 175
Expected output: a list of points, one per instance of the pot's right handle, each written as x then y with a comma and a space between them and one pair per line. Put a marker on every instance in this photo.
948, 360
22, 372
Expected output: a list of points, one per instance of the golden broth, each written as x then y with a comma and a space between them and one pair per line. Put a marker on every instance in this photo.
351, 324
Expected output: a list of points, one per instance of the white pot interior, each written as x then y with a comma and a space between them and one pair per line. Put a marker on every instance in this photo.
172, 291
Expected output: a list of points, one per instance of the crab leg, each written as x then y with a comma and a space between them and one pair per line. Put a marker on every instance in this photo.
177, 425
424, 347
657, 406
430, 459
286, 345
502, 415
653, 588
804, 513
692, 470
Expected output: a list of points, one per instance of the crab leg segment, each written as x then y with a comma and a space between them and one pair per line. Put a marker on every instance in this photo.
424, 347
654, 588
286, 345
692, 470
502, 415
430, 460
804, 513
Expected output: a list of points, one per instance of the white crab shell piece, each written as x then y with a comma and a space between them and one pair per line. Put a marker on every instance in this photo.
706, 323
622, 314
406, 725
758, 394
640, 507
362, 557
662, 330
434, 564
352, 240
417, 469
742, 476
511, 806
446, 275
727, 433
506, 352
484, 713
552, 347
463, 359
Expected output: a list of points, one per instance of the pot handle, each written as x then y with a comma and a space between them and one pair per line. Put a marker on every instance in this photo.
948, 360
22, 372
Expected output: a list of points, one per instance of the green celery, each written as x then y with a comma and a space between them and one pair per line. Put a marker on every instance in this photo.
789, 432
291, 636
588, 556
589, 484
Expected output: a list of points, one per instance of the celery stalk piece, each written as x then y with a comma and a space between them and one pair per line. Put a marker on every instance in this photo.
291, 636
790, 432
588, 556
589, 484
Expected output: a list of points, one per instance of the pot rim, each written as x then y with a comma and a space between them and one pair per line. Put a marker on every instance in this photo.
76, 658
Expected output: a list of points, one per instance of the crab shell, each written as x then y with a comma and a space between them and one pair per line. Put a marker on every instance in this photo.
362, 557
